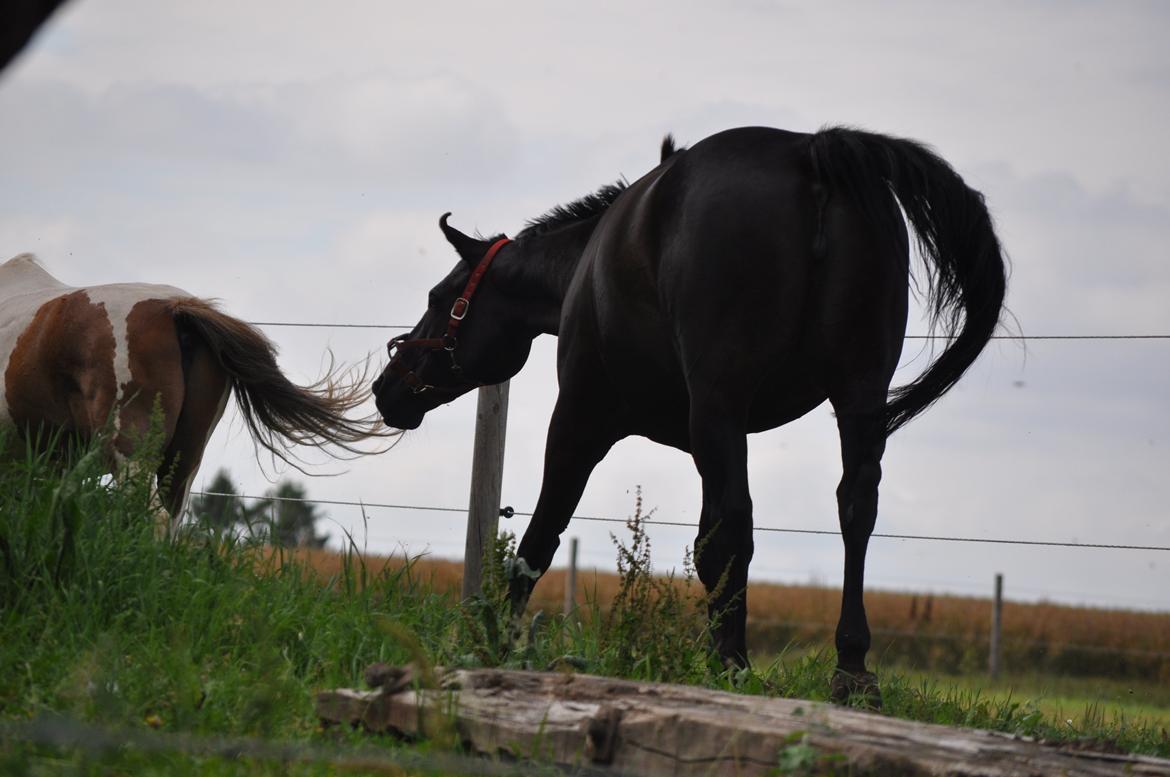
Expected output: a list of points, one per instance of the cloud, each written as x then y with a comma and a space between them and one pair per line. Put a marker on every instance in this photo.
1083, 256
375, 129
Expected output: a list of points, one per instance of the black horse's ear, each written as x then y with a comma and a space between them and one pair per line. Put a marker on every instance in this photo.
669, 149
468, 247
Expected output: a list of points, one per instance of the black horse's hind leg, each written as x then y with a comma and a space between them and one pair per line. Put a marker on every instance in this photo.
724, 546
863, 440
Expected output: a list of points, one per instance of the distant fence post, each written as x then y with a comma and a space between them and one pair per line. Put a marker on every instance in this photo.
571, 578
995, 657
487, 479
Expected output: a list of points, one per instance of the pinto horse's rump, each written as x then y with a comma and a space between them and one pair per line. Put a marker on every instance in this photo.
69, 356
79, 359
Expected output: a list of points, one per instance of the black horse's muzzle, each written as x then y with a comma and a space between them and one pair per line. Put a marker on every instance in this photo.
403, 395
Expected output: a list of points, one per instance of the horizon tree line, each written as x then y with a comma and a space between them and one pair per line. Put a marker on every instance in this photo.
281, 517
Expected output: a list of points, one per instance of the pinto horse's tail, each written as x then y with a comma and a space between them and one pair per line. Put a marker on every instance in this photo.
278, 413
965, 267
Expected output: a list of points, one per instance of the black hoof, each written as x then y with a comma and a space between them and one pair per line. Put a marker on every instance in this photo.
735, 661
521, 580
859, 689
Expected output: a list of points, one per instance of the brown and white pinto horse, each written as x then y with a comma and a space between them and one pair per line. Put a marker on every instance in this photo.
80, 359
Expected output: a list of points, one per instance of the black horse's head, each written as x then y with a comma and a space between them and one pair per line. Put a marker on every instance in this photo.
471, 335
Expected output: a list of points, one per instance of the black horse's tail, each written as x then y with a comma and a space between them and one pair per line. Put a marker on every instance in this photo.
965, 268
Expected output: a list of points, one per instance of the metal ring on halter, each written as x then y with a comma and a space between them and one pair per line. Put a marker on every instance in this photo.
394, 343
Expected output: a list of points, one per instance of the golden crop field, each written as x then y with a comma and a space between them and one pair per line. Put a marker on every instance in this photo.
948, 633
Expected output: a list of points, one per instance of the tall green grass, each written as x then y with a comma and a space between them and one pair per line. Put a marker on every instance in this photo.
102, 621
205, 635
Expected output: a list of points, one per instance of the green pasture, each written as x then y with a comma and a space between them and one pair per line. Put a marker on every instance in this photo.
201, 654
1078, 702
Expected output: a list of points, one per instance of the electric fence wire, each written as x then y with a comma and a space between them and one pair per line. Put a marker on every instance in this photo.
317, 325
508, 512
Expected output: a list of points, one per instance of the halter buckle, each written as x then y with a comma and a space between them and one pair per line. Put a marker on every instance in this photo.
459, 308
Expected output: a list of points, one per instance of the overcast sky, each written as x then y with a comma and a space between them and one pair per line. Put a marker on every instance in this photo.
292, 158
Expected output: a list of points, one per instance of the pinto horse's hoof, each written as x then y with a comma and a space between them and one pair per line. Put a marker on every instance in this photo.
857, 688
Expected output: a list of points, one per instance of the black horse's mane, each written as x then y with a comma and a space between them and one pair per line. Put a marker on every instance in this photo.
588, 206
591, 204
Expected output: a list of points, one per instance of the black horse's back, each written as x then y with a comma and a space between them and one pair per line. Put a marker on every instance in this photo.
707, 255
736, 246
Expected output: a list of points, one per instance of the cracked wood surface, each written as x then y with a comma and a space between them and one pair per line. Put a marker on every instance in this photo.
652, 729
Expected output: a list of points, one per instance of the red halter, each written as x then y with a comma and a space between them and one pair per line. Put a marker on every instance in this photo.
448, 341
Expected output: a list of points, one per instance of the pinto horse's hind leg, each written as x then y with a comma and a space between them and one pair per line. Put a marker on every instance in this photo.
863, 440
126, 470
206, 391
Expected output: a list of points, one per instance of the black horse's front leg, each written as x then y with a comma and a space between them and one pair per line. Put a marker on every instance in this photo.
579, 436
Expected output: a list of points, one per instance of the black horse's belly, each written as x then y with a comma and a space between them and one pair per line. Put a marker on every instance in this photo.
783, 404
663, 414
665, 422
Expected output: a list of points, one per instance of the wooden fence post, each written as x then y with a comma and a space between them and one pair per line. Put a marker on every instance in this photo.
995, 655
571, 578
487, 479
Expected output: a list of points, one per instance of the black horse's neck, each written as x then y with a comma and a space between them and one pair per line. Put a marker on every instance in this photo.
544, 267
552, 245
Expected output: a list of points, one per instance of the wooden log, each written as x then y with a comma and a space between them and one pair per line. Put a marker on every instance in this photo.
659, 730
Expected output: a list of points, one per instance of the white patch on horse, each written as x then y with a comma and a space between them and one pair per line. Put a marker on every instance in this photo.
122, 374
119, 300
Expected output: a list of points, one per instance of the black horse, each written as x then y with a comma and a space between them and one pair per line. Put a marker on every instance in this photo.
732, 289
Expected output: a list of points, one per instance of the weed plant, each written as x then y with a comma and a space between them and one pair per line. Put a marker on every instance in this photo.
654, 629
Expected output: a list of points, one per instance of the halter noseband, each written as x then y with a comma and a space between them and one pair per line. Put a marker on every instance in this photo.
448, 341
